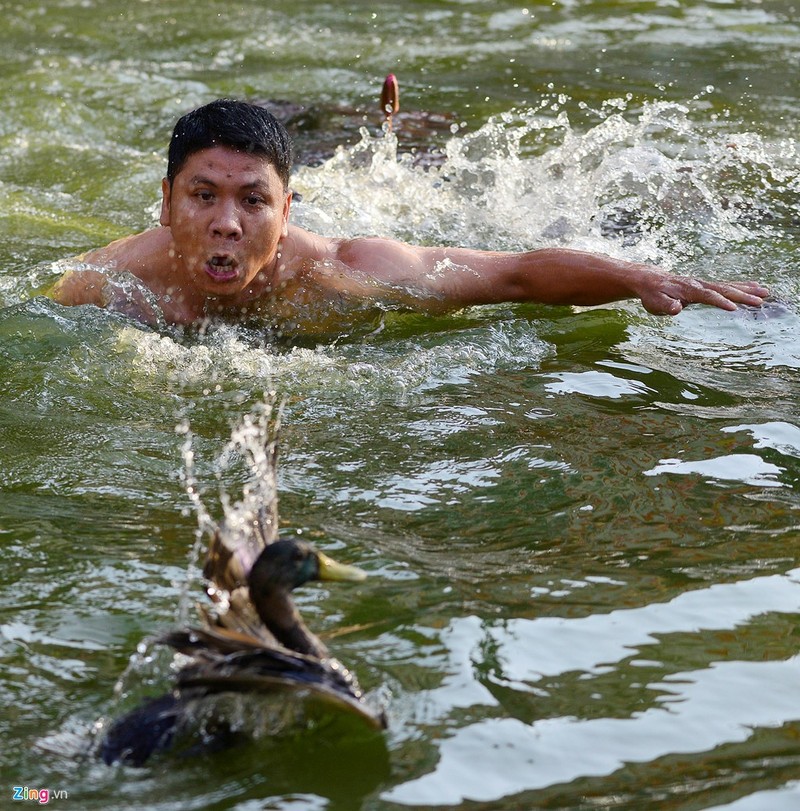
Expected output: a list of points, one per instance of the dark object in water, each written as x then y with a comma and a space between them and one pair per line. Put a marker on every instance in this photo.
318, 129
253, 642
390, 98
771, 308
147, 729
624, 224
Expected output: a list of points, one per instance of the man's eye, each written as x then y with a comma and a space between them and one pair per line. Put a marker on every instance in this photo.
205, 195
254, 200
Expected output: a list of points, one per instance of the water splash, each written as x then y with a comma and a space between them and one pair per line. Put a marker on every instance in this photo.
652, 185
252, 446
253, 442
251, 450
391, 370
660, 183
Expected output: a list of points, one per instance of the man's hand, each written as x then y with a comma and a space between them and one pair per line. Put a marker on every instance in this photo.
667, 294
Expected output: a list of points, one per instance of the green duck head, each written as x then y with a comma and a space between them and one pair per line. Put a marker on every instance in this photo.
281, 567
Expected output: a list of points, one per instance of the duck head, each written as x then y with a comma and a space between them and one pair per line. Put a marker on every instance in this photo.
281, 567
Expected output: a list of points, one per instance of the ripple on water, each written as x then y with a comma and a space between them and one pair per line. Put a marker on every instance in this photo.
363, 371
690, 711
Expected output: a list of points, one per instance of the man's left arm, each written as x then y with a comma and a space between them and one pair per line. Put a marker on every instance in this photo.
460, 277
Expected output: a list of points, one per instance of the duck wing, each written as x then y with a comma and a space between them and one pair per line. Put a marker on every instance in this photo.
220, 664
224, 662
210, 642
249, 526
148, 728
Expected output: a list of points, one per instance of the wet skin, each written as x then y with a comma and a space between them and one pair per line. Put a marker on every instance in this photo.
227, 212
225, 249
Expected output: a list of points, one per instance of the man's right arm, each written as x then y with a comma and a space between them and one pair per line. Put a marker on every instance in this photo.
100, 277
80, 287
87, 286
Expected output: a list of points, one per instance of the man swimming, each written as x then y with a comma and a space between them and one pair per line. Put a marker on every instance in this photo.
225, 250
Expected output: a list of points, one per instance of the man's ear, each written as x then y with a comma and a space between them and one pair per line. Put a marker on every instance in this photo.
287, 204
165, 199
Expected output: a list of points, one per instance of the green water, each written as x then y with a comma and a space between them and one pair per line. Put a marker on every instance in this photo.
581, 527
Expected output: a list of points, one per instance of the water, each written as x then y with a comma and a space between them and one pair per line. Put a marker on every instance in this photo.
580, 525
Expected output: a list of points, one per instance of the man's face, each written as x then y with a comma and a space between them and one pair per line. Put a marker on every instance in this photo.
227, 211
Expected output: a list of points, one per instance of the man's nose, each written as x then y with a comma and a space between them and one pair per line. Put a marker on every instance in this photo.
226, 222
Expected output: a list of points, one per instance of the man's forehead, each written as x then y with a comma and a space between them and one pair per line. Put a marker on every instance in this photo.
222, 162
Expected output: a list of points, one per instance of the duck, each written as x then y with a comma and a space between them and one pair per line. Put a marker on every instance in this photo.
252, 639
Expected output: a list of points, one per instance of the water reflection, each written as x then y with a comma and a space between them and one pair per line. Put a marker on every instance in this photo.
742, 467
515, 757
687, 710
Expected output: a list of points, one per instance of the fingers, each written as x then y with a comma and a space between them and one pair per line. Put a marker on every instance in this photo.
753, 288
750, 293
659, 302
715, 298
674, 293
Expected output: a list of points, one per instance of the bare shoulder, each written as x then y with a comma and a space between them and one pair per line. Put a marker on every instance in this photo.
91, 277
84, 286
386, 259
437, 275
356, 276
347, 262
139, 254
379, 258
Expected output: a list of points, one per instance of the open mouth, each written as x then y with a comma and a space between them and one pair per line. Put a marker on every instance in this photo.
221, 268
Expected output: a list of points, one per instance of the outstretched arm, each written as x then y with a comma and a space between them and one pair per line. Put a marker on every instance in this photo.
459, 277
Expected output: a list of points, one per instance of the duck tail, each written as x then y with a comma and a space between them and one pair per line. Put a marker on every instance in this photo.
148, 728
390, 99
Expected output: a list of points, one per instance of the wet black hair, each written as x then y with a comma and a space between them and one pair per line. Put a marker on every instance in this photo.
236, 124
